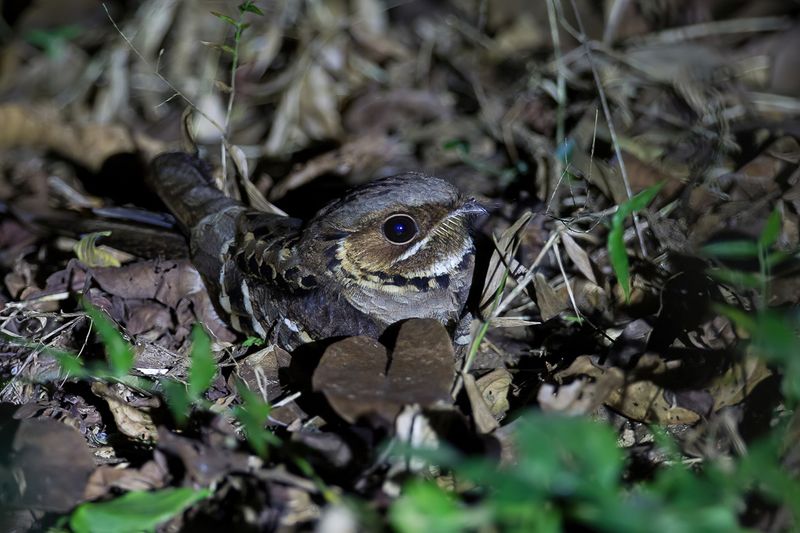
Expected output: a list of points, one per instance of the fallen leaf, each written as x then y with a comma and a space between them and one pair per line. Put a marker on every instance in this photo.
131, 421
577, 398
738, 382
485, 422
494, 388
50, 464
203, 464
358, 378
639, 399
107, 478
549, 300
92, 255
579, 257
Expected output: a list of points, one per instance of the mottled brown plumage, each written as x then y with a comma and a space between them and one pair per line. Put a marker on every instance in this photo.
391, 249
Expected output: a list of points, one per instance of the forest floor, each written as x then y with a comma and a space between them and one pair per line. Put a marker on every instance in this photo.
634, 360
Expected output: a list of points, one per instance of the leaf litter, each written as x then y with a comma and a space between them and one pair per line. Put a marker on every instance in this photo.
675, 332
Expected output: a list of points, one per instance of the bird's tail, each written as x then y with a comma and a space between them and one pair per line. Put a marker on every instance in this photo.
184, 184
135, 231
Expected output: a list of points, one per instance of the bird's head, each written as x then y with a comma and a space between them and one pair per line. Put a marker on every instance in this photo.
405, 232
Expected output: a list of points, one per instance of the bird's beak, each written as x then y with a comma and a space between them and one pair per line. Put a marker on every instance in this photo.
472, 209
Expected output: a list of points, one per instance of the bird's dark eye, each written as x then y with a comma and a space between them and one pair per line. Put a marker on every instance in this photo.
400, 229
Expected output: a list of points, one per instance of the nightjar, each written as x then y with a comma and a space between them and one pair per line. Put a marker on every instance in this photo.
395, 248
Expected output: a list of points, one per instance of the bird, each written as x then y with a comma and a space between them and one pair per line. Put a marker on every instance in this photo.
391, 249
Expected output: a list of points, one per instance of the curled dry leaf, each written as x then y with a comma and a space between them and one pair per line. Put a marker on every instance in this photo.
309, 109
738, 382
92, 255
646, 401
494, 388
132, 421
484, 419
358, 378
106, 478
415, 429
577, 398
512, 322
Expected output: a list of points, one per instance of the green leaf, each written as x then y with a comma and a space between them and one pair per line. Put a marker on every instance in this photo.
249, 7
253, 415
456, 144
426, 507
569, 455
643, 198
748, 280
69, 363
253, 341
225, 18
88, 253
740, 318
619, 258
53, 41
178, 400
761, 464
775, 339
731, 249
616, 243
776, 258
203, 367
134, 511
772, 230
120, 354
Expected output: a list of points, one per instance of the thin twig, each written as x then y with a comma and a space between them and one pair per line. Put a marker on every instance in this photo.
522, 283
160, 76
561, 83
557, 253
611, 129
561, 163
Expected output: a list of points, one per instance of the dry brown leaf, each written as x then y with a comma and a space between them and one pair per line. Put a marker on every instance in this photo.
646, 401
579, 257
259, 371
641, 400
738, 382
319, 108
354, 377
357, 155
485, 422
51, 464
494, 388
524, 33
89, 144
577, 398
415, 429
203, 464
511, 322
549, 300
131, 421
106, 478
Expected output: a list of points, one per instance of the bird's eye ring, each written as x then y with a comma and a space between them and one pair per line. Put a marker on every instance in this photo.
399, 229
